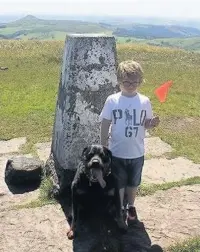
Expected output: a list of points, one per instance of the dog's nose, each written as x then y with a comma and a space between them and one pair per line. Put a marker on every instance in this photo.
95, 162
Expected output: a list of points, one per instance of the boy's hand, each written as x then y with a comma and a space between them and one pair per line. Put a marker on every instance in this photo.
154, 122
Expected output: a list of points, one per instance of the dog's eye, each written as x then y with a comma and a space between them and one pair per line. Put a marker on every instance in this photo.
89, 156
105, 158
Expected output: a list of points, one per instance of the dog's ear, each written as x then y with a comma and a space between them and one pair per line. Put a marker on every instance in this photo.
84, 151
108, 152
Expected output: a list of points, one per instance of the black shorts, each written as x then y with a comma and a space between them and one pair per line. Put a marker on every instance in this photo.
128, 172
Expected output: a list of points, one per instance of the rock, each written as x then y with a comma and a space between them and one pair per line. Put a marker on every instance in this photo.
43, 150
4, 190
164, 170
53, 170
12, 146
88, 76
3, 68
23, 170
154, 146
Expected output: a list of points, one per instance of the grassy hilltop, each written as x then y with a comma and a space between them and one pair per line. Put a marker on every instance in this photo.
28, 94
28, 91
33, 28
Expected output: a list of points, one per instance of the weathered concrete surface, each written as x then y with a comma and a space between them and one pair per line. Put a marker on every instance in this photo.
88, 76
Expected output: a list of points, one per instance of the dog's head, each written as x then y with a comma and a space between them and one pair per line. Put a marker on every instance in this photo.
97, 163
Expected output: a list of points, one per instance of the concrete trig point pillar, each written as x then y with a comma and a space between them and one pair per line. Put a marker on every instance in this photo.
88, 76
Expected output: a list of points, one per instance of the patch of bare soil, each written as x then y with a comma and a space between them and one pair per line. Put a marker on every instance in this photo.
181, 124
171, 216
34, 230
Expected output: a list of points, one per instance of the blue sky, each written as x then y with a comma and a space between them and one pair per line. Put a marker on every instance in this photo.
159, 8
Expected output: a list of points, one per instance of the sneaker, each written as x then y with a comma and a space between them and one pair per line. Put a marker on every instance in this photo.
132, 215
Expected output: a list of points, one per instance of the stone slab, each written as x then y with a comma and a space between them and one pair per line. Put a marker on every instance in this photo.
160, 170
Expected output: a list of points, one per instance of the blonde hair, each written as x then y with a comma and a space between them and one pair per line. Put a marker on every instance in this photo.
129, 69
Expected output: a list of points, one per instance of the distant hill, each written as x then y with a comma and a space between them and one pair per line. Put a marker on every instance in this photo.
155, 31
31, 27
189, 44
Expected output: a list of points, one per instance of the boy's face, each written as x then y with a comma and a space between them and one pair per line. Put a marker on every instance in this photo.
130, 85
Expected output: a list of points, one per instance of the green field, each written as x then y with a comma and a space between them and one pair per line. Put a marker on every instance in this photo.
191, 44
30, 28
33, 28
55, 35
28, 91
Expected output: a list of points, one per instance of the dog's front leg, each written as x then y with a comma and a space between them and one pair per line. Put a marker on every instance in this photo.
70, 233
119, 216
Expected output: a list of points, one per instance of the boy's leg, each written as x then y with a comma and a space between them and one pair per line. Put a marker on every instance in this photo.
119, 171
131, 194
121, 194
134, 180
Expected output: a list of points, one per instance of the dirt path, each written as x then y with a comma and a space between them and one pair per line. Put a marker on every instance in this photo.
164, 215
169, 216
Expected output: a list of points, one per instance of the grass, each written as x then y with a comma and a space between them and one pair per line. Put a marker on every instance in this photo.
28, 91
149, 189
191, 44
7, 31
45, 197
51, 35
190, 245
179, 114
32, 27
184, 43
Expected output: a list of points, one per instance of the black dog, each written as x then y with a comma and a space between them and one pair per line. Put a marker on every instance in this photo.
94, 190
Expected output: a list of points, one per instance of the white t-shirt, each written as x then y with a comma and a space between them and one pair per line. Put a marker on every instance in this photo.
127, 131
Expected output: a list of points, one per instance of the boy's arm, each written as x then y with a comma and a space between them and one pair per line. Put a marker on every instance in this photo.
147, 124
104, 128
106, 119
150, 121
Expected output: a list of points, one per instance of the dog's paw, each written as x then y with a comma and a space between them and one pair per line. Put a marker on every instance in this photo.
70, 234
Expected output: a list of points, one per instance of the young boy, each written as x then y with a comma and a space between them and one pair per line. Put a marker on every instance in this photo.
127, 114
